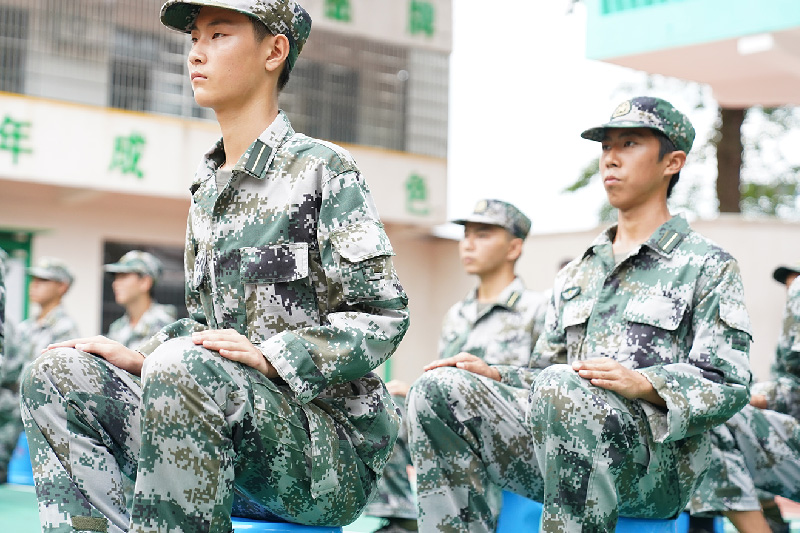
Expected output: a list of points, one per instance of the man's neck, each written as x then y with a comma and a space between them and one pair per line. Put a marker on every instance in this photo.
136, 309
242, 125
45, 309
636, 225
491, 285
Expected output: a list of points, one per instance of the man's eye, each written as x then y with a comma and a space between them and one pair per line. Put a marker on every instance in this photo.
216, 35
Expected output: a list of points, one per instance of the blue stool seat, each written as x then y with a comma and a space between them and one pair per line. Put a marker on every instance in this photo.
253, 526
521, 514
20, 471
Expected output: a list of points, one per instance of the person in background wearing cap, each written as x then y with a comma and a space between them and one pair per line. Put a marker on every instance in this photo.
495, 323
263, 402
50, 279
135, 277
757, 452
651, 325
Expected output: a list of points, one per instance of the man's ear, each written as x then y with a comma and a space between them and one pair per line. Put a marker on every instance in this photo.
675, 162
278, 52
514, 249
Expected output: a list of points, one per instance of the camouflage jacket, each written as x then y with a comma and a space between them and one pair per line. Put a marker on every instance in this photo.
673, 309
787, 357
2, 311
502, 333
33, 336
156, 317
292, 254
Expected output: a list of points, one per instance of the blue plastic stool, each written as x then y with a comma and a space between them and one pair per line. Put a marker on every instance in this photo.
522, 514
253, 526
20, 470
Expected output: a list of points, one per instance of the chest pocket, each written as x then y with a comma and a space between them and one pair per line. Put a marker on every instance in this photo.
653, 321
278, 291
364, 257
574, 319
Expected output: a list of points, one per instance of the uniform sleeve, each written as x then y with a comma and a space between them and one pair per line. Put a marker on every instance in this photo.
712, 383
787, 357
451, 340
2, 311
367, 309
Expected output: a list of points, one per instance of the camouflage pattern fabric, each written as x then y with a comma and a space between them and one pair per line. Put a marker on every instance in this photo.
291, 254
503, 333
673, 310
652, 113
156, 317
285, 17
755, 452
34, 335
499, 213
783, 393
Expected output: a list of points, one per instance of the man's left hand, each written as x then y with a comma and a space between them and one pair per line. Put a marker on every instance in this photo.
234, 346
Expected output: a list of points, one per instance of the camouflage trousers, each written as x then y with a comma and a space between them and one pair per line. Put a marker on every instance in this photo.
755, 454
585, 452
395, 497
783, 394
198, 439
11, 366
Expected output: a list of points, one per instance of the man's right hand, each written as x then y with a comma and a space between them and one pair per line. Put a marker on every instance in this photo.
467, 361
112, 351
758, 400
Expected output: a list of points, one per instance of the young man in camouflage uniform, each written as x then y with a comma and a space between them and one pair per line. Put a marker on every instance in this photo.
757, 452
650, 326
262, 403
50, 281
498, 322
135, 276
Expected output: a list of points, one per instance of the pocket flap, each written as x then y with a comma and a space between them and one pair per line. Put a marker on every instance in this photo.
576, 312
362, 240
656, 310
274, 263
734, 313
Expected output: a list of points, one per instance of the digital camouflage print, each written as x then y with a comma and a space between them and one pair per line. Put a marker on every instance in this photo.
758, 451
499, 213
501, 333
292, 254
672, 309
133, 336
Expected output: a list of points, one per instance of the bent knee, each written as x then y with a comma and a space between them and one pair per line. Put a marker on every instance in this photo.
58, 365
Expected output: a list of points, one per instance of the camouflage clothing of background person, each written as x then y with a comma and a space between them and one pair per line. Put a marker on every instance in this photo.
783, 392
501, 333
156, 317
292, 254
672, 309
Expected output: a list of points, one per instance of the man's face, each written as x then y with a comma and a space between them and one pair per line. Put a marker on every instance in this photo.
790, 278
46, 292
129, 286
226, 63
484, 248
632, 174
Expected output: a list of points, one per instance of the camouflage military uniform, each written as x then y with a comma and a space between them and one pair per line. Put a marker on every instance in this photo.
673, 310
757, 452
783, 393
290, 253
503, 333
156, 317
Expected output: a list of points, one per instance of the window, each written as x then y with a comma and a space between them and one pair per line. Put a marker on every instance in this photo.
13, 48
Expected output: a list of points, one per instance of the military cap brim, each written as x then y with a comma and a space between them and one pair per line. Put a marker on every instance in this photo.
45, 273
782, 272
598, 133
180, 15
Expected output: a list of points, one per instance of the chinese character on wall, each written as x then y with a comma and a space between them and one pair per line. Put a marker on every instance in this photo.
12, 135
338, 10
417, 195
421, 18
127, 154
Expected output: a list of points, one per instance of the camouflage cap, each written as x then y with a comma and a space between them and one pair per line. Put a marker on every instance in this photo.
285, 17
782, 272
139, 262
499, 213
648, 112
52, 269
